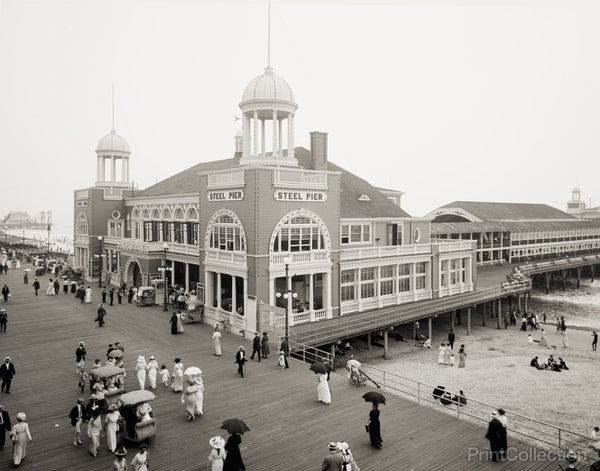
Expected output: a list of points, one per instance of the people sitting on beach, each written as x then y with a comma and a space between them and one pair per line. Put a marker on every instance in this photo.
596, 433
426, 343
561, 364
446, 398
534, 362
438, 391
461, 399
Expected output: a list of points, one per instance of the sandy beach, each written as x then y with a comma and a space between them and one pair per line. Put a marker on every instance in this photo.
498, 371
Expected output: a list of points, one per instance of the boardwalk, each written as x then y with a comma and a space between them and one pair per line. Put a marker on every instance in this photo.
290, 430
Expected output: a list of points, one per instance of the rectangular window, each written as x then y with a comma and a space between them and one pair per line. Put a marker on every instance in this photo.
463, 270
148, 231
348, 285
367, 283
454, 271
387, 280
395, 234
345, 236
444, 273
420, 276
404, 272
356, 233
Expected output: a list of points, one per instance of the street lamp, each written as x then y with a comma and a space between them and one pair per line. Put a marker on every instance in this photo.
165, 269
100, 258
288, 295
6, 235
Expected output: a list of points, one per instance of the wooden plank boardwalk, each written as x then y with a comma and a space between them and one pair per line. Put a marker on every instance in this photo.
290, 430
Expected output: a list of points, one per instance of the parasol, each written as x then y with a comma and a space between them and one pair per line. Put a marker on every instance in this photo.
106, 371
352, 364
192, 371
115, 354
234, 426
318, 367
27, 270
135, 397
375, 397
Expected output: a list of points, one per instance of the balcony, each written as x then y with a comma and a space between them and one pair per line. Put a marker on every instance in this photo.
226, 256
300, 258
230, 178
387, 251
462, 246
300, 178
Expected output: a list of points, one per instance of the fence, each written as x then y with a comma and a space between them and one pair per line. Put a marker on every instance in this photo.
526, 428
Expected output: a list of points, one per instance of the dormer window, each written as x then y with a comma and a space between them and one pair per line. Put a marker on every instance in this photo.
364, 198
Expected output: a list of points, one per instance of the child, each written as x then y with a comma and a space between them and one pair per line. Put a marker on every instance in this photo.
452, 359
281, 360
83, 377
164, 375
529, 338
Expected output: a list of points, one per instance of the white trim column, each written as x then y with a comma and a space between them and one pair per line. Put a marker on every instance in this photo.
123, 170
290, 135
218, 275
113, 176
310, 297
246, 133
280, 125
328, 295
255, 142
262, 137
187, 277
245, 297
274, 133
233, 295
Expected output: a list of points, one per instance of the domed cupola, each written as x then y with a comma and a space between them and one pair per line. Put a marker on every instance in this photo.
268, 109
113, 152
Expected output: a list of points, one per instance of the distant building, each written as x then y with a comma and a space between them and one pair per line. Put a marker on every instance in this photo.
514, 232
577, 207
229, 227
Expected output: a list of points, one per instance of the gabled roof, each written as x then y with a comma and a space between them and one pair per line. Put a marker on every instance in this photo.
487, 211
512, 226
352, 187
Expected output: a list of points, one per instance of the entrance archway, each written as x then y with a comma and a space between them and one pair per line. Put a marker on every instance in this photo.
134, 273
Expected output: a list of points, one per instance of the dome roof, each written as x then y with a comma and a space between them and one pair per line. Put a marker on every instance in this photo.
112, 143
268, 86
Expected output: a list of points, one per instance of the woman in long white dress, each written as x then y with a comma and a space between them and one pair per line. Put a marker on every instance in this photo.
152, 368
111, 421
143, 412
50, 290
88, 295
199, 393
217, 341
216, 458
180, 317
140, 460
442, 354
94, 431
20, 435
177, 376
140, 369
190, 398
323, 393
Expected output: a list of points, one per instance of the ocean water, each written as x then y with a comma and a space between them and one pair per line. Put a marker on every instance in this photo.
581, 307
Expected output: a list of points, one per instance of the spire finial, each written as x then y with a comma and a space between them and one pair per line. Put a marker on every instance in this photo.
113, 107
269, 39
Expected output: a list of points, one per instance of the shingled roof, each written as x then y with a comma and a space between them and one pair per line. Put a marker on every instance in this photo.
352, 187
487, 211
512, 226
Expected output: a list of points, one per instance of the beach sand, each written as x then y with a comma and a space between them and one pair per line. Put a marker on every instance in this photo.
497, 369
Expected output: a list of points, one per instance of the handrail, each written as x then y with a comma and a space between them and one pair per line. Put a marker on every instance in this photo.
524, 426
310, 354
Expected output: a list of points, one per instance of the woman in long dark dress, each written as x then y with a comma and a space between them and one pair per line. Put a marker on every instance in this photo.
173, 321
375, 427
233, 458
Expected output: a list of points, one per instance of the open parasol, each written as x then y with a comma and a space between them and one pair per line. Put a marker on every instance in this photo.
235, 426
106, 371
375, 397
135, 397
115, 354
192, 371
318, 367
27, 270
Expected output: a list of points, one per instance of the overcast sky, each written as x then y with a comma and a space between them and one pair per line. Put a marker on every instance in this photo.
483, 101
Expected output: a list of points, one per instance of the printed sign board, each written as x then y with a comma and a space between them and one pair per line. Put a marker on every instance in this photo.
309, 196
231, 195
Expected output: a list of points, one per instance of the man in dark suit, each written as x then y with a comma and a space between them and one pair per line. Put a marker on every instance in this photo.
36, 286
78, 416
80, 355
4, 426
332, 461
240, 359
7, 371
285, 348
256, 346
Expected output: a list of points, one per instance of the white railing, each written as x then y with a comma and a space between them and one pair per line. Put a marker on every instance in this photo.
213, 255
457, 246
313, 256
320, 314
226, 179
300, 178
387, 251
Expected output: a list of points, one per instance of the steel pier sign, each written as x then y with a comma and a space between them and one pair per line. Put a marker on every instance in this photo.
310, 196
232, 195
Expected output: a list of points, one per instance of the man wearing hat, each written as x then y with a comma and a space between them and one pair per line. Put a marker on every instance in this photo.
256, 346
100, 315
496, 434
119, 464
78, 415
7, 371
4, 426
571, 459
3, 320
332, 461
80, 355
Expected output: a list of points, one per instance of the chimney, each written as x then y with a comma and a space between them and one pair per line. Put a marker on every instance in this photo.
318, 150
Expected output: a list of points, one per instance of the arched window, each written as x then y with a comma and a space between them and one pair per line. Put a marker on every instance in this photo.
299, 233
226, 232
192, 214
178, 214
145, 214
166, 214
82, 226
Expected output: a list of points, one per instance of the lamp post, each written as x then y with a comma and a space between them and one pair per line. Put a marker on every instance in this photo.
6, 235
164, 270
100, 258
288, 295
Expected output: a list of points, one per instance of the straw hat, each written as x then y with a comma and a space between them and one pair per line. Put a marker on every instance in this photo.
141, 359
21, 416
152, 357
217, 442
121, 452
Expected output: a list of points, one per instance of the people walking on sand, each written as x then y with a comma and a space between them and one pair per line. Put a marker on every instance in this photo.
78, 416
375, 427
233, 457
140, 460
216, 458
333, 460
216, 338
100, 315
173, 322
462, 356
164, 375
442, 354
7, 372
447, 355
177, 376
594, 340
152, 368
323, 392
256, 346
240, 359
140, 369
88, 295
36, 286
264, 344
20, 436
112, 426
451, 337
543, 339
4, 426
496, 434
50, 289
565, 339
3, 320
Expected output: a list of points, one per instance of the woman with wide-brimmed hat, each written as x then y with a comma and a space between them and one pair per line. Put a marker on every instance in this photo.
140, 460
120, 463
140, 370
216, 457
190, 399
20, 434
112, 426
152, 368
177, 376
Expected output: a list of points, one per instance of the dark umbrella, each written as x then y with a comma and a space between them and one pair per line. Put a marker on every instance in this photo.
375, 397
235, 426
318, 367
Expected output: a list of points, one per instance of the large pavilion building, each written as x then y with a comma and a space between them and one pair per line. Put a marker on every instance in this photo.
273, 219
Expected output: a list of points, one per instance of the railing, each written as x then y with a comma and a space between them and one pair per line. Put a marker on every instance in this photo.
226, 179
387, 251
226, 255
310, 354
526, 428
113, 194
309, 257
300, 178
457, 246
561, 263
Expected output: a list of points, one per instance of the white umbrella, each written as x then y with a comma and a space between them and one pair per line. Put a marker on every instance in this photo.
27, 270
192, 371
